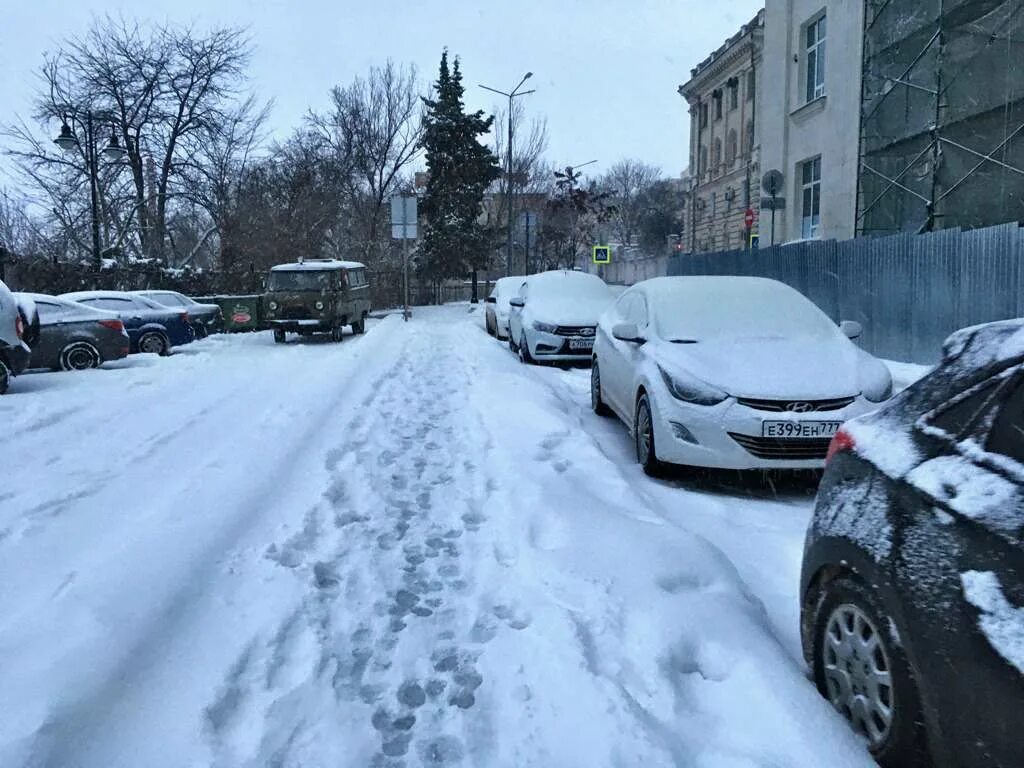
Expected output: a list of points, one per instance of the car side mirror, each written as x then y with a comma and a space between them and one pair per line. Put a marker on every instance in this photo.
627, 332
491, 300
517, 301
851, 329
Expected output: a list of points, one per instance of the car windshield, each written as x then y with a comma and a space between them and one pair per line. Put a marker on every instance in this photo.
738, 310
300, 280
583, 288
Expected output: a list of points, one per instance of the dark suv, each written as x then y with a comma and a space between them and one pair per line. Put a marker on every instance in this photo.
913, 573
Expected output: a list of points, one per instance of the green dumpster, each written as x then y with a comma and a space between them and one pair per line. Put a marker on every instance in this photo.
241, 313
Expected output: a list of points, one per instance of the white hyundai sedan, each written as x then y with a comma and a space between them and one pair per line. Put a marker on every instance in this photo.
554, 317
730, 372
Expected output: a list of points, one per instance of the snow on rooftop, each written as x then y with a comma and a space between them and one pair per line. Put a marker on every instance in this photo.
311, 265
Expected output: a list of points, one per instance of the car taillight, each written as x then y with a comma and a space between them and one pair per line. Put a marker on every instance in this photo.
19, 326
843, 441
114, 325
184, 317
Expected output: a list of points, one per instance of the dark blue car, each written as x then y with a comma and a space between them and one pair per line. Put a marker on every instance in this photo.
151, 327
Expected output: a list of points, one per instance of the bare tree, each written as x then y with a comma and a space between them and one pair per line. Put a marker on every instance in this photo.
628, 181
374, 128
154, 89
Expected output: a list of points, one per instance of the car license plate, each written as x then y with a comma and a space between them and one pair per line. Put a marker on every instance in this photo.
798, 430
581, 344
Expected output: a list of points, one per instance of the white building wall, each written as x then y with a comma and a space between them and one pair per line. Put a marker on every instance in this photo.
793, 130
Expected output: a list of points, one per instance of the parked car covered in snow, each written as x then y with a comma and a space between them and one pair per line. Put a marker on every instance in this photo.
912, 590
14, 352
205, 318
730, 372
554, 316
73, 337
497, 310
152, 328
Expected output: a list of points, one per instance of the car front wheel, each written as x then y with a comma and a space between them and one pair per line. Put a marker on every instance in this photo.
643, 433
865, 675
279, 336
5, 376
524, 351
599, 406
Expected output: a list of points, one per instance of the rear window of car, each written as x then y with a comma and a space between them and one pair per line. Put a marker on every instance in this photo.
48, 309
168, 299
117, 305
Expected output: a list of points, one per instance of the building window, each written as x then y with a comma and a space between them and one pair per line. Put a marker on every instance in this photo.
816, 59
704, 115
716, 156
717, 96
731, 148
751, 84
810, 177
734, 92
714, 204
703, 168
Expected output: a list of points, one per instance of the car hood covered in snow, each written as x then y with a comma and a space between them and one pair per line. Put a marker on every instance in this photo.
567, 298
773, 367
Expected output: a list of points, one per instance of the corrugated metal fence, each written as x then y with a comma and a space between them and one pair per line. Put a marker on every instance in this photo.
909, 291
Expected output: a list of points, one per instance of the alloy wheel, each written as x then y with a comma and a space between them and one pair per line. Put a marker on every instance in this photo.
857, 671
643, 433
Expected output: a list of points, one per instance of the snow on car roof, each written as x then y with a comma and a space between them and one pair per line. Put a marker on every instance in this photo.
716, 306
79, 295
317, 264
980, 346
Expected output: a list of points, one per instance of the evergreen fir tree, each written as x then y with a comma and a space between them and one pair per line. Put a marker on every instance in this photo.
460, 170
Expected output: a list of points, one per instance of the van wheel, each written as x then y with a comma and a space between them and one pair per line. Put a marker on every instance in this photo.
154, 343
80, 356
5, 376
279, 336
360, 326
338, 332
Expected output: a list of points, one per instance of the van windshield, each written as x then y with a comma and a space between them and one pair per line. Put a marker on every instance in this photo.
300, 280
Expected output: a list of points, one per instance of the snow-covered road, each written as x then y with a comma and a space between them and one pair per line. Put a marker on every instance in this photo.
404, 550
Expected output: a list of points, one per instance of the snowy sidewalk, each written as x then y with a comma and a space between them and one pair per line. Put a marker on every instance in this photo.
404, 550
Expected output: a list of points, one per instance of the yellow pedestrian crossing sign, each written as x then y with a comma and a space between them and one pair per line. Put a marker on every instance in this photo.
602, 254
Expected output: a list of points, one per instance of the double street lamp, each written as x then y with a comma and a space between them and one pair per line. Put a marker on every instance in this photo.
113, 152
509, 181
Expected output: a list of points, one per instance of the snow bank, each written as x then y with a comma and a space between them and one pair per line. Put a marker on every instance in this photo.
1002, 624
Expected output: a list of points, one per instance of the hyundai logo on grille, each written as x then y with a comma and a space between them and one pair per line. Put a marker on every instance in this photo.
799, 407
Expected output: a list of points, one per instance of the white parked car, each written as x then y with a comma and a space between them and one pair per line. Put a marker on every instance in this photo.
555, 316
497, 310
730, 372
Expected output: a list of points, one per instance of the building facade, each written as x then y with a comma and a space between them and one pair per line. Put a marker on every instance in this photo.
809, 117
722, 94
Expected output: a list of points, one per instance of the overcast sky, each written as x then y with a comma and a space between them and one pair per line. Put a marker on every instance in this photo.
606, 71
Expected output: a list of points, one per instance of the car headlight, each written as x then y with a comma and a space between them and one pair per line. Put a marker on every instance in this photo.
319, 305
544, 327
273, 305
691, 389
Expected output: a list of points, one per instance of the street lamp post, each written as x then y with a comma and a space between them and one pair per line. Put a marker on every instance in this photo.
68, 141
508, 165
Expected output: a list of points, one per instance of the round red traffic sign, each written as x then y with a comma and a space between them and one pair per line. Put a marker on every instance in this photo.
748, 218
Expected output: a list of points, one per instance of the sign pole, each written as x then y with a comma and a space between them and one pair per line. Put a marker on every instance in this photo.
405, 257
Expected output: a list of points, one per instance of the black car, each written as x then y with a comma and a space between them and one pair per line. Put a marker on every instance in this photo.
205, 318
912, 589
73, 337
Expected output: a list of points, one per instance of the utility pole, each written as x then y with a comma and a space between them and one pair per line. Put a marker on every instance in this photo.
509, 182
